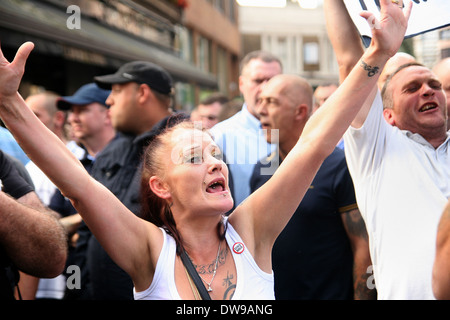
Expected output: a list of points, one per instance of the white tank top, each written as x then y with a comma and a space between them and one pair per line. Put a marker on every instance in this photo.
252, 282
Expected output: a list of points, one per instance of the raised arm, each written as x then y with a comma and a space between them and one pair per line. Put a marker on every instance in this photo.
348, 47
123, 235
270, 207
344, 36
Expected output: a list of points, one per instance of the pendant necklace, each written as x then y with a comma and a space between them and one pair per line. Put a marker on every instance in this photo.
214, 272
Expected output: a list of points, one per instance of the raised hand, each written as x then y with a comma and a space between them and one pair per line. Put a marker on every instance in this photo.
389, 31
11, 73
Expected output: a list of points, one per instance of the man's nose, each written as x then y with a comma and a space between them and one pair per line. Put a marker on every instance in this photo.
427, 90
261, 106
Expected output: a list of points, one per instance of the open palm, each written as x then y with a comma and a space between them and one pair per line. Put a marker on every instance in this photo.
11, 73
387, 32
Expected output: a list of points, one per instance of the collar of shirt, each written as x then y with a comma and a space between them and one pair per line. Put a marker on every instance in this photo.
250, 120
421, 140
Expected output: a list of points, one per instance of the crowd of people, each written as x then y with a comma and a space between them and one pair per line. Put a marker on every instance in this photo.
300, 194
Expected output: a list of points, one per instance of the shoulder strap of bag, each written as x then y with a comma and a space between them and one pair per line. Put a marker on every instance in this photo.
194, 275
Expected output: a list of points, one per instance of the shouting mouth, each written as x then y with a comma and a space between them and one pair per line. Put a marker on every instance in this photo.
216, 186
427, 107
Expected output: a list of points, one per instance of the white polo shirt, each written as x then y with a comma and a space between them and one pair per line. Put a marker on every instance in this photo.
402, 184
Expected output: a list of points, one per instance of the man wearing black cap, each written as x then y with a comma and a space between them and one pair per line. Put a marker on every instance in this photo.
140, 106
141, 96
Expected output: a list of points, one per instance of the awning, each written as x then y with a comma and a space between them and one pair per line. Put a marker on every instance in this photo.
95, 42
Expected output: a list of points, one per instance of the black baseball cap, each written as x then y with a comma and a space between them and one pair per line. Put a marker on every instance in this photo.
146, 72
86, 94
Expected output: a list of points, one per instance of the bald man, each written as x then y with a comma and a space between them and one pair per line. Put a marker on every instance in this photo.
323, 252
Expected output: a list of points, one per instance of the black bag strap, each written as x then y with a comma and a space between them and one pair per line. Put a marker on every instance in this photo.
194, 276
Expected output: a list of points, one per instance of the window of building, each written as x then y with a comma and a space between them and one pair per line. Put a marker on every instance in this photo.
282, 50
311, 54
295, 54
203, 54
184, 44
444, 34
250, 42
185, 97
445, 53
232, 11
222, 69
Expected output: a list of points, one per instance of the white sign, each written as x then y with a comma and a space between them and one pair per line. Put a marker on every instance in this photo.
426, 15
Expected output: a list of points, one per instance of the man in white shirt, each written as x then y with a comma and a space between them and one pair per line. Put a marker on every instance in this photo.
398, 154
44, 107
240, 137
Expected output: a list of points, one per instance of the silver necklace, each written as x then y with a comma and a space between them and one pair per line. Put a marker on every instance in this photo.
214, 272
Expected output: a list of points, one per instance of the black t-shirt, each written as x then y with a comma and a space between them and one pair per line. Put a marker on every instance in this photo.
16, 186
12, 180
9, 276
312, 257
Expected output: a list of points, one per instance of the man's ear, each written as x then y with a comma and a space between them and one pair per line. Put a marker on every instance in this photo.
301, 112
388, 115
144, 92
60, 118
159, 188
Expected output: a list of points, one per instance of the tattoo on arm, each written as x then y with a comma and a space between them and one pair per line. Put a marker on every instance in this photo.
356, 230
371, 70
354, 224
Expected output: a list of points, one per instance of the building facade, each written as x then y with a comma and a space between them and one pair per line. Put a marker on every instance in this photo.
210, 39
76, 40
296, 34
444, 43
432, 46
